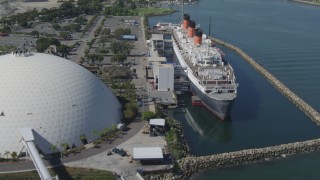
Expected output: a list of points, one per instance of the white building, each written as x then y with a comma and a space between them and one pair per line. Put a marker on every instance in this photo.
157, 43
57, 98
165, 77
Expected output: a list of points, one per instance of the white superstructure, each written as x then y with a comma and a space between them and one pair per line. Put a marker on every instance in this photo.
211, 78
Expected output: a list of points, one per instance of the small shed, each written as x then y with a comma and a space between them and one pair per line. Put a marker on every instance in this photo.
157, 122
148, 155
157, 126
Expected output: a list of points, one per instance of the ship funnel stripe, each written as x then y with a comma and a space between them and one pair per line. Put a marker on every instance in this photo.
192, 24
198, 37
191, 28
186, 17
199, 32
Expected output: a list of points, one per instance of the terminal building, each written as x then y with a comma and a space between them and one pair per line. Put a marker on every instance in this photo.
58, 100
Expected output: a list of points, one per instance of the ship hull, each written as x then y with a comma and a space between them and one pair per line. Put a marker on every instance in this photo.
219, 108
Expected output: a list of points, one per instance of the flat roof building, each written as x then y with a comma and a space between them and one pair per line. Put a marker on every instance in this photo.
148, 154
157, 122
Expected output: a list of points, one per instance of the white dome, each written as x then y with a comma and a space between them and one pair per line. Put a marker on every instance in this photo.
58, 99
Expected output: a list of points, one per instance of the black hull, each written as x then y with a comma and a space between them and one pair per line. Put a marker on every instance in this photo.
219, 108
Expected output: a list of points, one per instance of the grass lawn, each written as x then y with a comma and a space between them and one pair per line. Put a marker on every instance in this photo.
75, 173
153, 11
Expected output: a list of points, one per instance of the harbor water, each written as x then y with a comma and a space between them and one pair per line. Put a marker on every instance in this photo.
283, 37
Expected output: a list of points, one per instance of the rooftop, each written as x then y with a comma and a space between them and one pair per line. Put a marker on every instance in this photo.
157, 37
157, 122
144, 153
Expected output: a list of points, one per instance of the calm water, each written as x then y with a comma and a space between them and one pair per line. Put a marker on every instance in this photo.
284, 37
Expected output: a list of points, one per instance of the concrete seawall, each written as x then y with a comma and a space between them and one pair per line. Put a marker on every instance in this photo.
191, 165
300, 103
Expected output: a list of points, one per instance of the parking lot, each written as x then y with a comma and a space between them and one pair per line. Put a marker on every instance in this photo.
123, 164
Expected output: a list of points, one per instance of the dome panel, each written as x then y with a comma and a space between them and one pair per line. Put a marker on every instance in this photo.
57, 98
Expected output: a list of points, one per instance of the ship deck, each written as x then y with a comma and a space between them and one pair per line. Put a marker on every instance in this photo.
210, 76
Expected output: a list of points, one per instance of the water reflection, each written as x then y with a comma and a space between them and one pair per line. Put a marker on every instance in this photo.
204, 123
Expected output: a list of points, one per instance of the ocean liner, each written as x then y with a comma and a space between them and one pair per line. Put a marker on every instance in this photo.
211, 78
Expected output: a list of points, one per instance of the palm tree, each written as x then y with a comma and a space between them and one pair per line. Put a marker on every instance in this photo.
6, 154
65, 146
14, 155
98, 133
53, 148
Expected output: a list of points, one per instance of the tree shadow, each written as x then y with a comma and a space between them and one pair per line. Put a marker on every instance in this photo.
59, 168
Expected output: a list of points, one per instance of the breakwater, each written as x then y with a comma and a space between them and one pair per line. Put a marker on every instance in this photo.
307, 2
300, 103
190, 165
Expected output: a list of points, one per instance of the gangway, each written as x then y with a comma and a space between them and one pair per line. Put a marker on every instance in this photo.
28, 141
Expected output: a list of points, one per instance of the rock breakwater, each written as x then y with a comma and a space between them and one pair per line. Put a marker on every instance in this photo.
190, 165
300, 103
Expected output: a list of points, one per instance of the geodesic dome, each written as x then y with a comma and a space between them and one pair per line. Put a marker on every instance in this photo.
55, 97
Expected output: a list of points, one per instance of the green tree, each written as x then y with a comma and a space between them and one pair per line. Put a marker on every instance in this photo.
118, 33
148, 115
129, 114
127, 31
5, 29
53, 148
65, 146
24, 23
14, 155
103, 39
56, 26
63, 50
72, 27
119, 57
81, 20
43, 43
35, 34
66, 4
101, 134
120, 46
64, 35
106, 31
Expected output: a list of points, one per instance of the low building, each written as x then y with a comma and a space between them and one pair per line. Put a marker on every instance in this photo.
157, 126
165, 77
157, 43
158, 123
129, 37
148, 155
